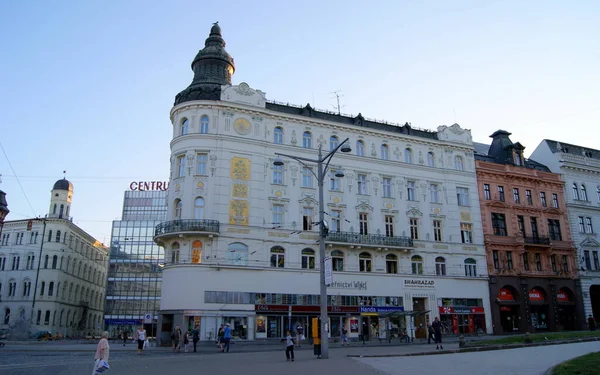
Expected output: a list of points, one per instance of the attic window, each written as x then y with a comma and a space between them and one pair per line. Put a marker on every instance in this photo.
518, 159
565, 150
588, 154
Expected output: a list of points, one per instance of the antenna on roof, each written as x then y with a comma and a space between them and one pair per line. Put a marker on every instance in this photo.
338, 96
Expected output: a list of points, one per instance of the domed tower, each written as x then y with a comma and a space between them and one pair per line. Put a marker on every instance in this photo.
60, 200
213, 67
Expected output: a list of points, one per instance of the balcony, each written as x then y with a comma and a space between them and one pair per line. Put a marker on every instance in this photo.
537, 240
182, 227
369, 240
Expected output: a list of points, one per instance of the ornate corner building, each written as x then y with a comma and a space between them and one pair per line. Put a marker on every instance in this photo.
531, 258
241, 235
52, 273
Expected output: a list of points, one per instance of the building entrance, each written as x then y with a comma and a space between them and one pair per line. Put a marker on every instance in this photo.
421, 320
510, 318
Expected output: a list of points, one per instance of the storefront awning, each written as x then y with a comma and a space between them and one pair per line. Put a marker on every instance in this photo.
398, 314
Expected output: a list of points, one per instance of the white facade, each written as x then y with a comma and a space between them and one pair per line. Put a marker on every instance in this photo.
580, 169
67, 264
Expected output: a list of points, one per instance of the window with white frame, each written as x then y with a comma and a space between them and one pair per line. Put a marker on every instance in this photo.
486, 192
333, 142
440, 266
307, 140
575, 191
362, 183
178, 208
430, 159
384, 152
435, 194
363, 220
360, 148
201, 162
364, 260
410, 191
307, 215
408, 155
277, 257
528, 197
387, 187
336, 221
204, 124
437, 230
581, 224
180, 165
543, 199
391, 263
184, 127
588, 225
334, 182
583, 193
199, 208
554, 200
598, 194
337, 260
459, 164
389, 225
308, 259
516, 196
174, 253
278, 135
414, 228
462, 195
278, 174
416, 263
466, 232
470, 267
307, 177
277, 214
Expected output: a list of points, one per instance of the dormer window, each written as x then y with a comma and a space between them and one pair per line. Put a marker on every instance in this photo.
518, 158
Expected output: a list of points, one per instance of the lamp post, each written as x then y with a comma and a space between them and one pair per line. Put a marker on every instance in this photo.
323, 227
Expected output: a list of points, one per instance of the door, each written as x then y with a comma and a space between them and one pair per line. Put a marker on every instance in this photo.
420, 319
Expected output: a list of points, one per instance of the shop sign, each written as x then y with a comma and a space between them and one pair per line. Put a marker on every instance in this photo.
536, 295
271, 308
148, 186
304, 308
505, 308
379, 309
505, 295
125, 322
562, 296
461, 310
418, 283
357, 285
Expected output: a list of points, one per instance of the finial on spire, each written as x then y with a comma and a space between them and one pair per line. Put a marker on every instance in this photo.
65, 175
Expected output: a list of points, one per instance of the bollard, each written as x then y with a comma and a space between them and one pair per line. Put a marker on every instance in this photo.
461, 341
527, 338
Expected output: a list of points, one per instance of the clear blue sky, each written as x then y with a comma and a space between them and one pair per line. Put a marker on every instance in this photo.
86, 86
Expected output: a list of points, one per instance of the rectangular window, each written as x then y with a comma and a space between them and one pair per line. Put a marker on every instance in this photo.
555, 200
486, 192
553, 262
307, 177
543, 199
462, 196
509, 260
277, 214
363, 223
581, 224
534, 227
538, 261
496, 259
521, 222
516, 197
466, 232
588, 225
529, 198
334, 182
414, 228
501, 193
181, 166
565, 262
336, 221
201, 161
410, 191
389, 226
278, 174
307, 218
435, 194
554, 229
437, 230
596, 261
526, 261
587, 259
362, 184
499, 224
387, 187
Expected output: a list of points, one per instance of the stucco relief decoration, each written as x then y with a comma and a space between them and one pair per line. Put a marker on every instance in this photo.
240, 169
294, 173
424, 191
373, 150
239, 190
421, 161
242, 93
375, 184
294, 138
321, 141
238, 208
242, 126
238, 212
243, 89
190, 162
363, 206
213, 164
454, 133
350, 179
414, 212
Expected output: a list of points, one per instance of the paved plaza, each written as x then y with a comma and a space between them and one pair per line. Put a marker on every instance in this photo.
77, 359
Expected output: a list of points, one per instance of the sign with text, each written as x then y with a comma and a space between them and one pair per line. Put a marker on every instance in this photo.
304, 308
419, 283
462, 310
536, 295
148, 185
380, 309
357, 285
328, 271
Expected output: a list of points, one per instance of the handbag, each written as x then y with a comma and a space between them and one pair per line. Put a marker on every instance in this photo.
101, 366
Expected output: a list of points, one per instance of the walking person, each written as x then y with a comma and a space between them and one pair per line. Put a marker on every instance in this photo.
437, 328
124, 337
186, 340
101, 355
591, 323
176, 336
195, 338
220, 339
431, 334
344, 336
289, 346
227, 336
299, 334
140, 336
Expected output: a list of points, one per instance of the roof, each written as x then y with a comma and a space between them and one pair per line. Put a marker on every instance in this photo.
500, 151
63, 184
568, 148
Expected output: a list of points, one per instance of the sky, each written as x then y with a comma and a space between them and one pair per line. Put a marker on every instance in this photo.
86, 86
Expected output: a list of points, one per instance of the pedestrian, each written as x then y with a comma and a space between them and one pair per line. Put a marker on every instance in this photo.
289, 346
186, 341
176, 336
140, 336
437, 328
431, 334
344, 336
299, 334
195, 337
220, 339
227, 336
124, 337
101, 355
591, 323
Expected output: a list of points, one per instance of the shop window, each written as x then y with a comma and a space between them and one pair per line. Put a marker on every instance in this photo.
470, 267
417, 265
391, 263
277, 257
308, 259
364, 260
337, 260
440, 266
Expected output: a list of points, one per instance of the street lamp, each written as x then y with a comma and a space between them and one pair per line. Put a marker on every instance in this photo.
323, 228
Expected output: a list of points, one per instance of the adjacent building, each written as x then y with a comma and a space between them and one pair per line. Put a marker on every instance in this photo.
134, 274
241, 234
52, 273
531, 258
579, 168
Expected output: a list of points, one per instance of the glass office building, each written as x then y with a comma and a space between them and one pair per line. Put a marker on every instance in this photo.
135, 273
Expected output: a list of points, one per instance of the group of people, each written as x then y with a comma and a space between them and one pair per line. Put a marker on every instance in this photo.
178, 337
224, 338
435, 332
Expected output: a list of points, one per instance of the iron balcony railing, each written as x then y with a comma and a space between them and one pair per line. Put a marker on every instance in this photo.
537, 240
369, 239
175, 226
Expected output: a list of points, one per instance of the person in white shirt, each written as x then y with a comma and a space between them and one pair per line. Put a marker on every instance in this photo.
289, 346
140, 336
102, 352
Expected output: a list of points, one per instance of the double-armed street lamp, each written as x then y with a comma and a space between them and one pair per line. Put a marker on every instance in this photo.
322, 163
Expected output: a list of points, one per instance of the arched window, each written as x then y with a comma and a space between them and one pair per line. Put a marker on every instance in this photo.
60, 318
333, 142
60, 213
54, 209
197, 252
178, 208
583, 193
204, 124
199, 208
237, 253
337, 260
458, 163
42, 288
277, 257
54, 261
278, 135
79, 270
175, 252
364, 262
68, 261
22, 313
57, 290
46, 258
575, 191
408, 155
85, 272
76, 294
598, 193
417, 265
51, 289
184, 127
430, 159
49, 236
47, 318
440, 266
68, 321
384, 152
6, 315
57, 239
308, 259
470, 267
360, 148
307, 140
391, 263
70, 292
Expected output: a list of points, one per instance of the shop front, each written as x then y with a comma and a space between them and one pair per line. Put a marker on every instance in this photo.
538, 309
462, 320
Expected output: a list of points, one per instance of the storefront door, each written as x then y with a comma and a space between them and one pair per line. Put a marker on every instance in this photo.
509, 318
420, 319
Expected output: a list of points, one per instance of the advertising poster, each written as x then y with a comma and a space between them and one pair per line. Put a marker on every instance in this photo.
260, 325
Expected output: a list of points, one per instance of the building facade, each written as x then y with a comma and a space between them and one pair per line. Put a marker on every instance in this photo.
580, 171
52, 273
531, 257
404, 223
135, 273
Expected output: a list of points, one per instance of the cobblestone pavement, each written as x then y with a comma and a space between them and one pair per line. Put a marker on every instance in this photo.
521, 361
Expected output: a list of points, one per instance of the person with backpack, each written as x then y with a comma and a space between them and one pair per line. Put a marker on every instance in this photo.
195, 338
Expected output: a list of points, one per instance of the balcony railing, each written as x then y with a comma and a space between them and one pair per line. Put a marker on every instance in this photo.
175, 226
369, 239
537, 240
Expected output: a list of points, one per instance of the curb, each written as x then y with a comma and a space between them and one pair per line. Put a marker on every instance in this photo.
477, 349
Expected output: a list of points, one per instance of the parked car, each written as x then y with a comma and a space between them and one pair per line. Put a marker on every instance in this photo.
3, 334
41, 335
